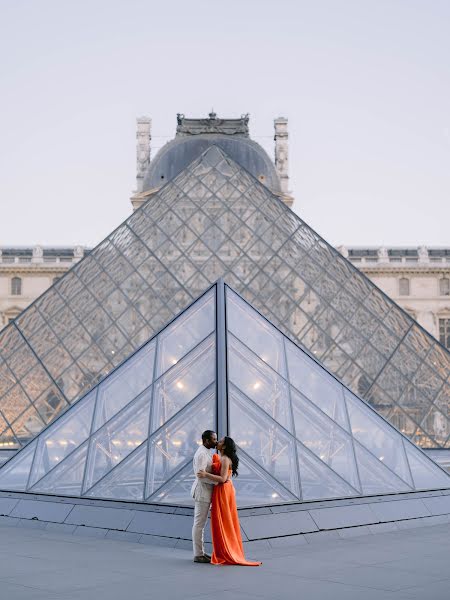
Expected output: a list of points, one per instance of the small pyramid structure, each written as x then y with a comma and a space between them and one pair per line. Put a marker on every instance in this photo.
302, 435
215, 220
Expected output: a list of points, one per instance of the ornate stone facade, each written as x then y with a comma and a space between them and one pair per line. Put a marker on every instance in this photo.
418, 279
143, 140
282, 156
425, 296
25, 273
193, 136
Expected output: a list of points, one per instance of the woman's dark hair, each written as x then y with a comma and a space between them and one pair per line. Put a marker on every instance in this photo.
230, 451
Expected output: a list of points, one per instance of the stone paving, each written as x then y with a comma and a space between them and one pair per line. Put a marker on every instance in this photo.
409, 564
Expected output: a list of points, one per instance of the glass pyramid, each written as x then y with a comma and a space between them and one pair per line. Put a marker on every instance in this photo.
301, 434
216, 220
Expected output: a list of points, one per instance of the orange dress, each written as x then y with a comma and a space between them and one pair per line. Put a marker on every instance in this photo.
225, 528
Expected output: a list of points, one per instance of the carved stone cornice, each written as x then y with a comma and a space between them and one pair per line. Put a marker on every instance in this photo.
384, 269
34, 269
212, 125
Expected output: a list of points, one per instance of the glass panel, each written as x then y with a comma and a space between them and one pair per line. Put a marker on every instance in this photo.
259, 382
14, 403
22, 361
268, 444
323, 437
27, 425
185, 332
124, 384
254, 486
377, 436
436, 425
374, 476
425, 473
317, 480
183, 382
126, 481
36, 382
290, 260
60, 439
255, 332
6, 378
428, 382
115, 440
67, 477
316, 384
78, 341
178, 490
177, 441
50, 404
14, 475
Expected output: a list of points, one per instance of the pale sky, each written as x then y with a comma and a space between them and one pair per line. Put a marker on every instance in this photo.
365, 85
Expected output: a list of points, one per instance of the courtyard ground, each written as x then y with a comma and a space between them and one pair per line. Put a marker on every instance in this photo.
410, 564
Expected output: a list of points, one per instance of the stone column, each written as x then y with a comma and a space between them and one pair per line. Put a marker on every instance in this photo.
143, 139
282, 152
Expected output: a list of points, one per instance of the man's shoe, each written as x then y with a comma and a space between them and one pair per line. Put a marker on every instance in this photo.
201, 559
207, 556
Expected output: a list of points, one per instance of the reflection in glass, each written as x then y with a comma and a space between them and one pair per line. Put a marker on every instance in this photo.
183, 382
66, 478
177, 441
127, 382
326, 439
126, 481
254, 486
259, 382
314, 383
178, 490
14, 475
375, 477
255, 332
425, 476
117, 439
71, 430
267, 443
318, 481
377, 436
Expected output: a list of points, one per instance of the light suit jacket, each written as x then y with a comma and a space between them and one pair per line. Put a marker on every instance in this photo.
202, 488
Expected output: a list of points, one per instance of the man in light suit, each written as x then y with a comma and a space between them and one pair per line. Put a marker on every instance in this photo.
201, 492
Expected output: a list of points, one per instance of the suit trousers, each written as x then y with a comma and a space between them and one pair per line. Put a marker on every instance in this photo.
200, 516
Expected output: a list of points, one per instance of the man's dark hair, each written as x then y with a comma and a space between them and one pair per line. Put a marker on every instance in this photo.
207, 435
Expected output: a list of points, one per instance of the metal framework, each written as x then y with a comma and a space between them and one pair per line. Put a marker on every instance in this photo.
302, 435
215, 220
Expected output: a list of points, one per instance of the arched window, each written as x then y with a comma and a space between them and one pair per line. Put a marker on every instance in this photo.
403, 286
16, 286
444, 286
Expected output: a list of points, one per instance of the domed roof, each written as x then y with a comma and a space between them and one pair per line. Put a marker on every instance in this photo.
177, 154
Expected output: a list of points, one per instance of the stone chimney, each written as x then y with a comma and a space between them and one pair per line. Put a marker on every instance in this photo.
282, 157
143, 139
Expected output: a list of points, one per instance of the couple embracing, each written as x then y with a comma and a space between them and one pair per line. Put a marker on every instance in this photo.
213, 487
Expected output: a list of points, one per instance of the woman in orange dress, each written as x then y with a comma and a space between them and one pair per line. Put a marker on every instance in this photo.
225, 528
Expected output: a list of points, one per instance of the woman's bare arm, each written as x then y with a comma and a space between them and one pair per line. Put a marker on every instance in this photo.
223, 472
